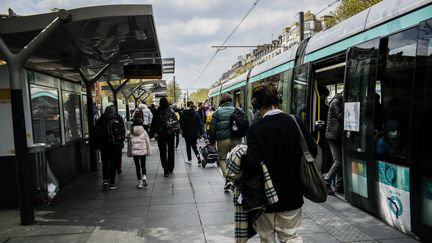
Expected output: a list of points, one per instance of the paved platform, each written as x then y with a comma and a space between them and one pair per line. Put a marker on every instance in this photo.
188, 206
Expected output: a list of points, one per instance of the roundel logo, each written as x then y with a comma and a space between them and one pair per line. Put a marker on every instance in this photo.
395, 205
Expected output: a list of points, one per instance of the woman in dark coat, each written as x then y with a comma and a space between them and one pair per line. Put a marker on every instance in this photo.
191, 127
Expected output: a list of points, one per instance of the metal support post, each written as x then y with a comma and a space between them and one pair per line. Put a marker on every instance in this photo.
115, 91
15, 62
89, 83
301, 25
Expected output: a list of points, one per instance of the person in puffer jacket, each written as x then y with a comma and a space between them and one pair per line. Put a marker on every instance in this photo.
147, 116
140, 147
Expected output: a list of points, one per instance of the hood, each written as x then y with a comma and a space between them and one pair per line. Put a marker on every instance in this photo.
137, 130
189, 112
142, 106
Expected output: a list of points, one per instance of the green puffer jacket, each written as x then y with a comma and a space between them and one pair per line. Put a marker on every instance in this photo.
220, 124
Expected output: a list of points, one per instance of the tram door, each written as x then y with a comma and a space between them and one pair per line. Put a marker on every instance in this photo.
358, 128
421, 184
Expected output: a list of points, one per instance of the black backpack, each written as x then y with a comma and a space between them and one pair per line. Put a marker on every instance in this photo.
239, 123
169, 121
116, 132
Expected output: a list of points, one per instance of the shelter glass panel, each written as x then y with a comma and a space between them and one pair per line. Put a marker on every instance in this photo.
45, 115
72, 115
84, 114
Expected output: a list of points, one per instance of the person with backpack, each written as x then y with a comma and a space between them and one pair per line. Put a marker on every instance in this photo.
227, 127
190, 124
165, 125
110, 134
140, 147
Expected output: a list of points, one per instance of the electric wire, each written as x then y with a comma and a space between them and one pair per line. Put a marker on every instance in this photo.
229, 36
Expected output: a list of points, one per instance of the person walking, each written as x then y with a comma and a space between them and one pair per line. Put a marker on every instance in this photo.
220, 133
202, 116
147, 116
140, 147
191, 126
334, 137
165, 125
109, 139
177, 134
209, 118
274, 141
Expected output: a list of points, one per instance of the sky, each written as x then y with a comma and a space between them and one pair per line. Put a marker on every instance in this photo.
187, 29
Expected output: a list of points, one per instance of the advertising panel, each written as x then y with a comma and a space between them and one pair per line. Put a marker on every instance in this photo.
359, 178
394, 194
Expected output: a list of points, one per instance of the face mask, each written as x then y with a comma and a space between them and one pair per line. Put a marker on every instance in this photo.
393, 134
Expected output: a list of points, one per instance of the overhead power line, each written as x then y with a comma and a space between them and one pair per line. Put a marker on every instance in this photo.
225, 41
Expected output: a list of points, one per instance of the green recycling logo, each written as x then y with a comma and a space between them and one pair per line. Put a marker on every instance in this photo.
395, 205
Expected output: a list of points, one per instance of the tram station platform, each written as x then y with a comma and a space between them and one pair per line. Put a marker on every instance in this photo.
188, 206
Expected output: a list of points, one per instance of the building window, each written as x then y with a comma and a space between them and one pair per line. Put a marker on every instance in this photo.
45, 115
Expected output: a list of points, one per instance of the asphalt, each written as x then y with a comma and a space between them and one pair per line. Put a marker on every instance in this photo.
188, 206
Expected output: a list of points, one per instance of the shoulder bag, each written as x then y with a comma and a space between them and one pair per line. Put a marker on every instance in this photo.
314, 186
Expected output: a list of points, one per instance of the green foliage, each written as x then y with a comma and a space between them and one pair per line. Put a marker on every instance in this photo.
170, 92
199, 96
349, 8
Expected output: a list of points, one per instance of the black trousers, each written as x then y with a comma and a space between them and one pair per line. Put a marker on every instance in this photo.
140, 169
166, 144
191, 143
110, 158
177, 139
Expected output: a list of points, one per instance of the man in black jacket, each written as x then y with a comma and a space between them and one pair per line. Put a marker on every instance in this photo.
111, 151
274, 140
334, 137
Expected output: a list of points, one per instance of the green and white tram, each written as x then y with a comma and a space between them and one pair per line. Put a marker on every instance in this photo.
381, 59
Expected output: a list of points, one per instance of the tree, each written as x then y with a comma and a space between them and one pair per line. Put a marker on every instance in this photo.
349, 8
170, 92
199, 96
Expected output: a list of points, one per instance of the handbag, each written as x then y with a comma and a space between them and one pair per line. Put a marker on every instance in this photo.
129, 146
314, 186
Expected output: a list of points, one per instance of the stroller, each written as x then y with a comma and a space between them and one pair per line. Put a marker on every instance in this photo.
209, 154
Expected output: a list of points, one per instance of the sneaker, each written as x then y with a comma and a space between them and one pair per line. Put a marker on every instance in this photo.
166, 173
228, 186
189, 162
144, 180
140, 184
112, 186
330, 190
199, 160
176, 149
105, 185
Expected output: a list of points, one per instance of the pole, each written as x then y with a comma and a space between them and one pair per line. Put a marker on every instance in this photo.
175, 100
301, 25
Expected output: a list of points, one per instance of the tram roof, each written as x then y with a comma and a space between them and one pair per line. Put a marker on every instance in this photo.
94, 37
377, 14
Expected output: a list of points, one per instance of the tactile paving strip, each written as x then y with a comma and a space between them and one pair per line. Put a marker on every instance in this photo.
333, 224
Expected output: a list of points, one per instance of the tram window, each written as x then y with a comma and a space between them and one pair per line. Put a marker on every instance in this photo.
298, 105
45, 115
393, 113
72, 115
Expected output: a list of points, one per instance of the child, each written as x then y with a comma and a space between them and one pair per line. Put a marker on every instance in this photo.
140, 143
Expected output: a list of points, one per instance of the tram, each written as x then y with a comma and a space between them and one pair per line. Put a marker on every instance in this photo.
381, 59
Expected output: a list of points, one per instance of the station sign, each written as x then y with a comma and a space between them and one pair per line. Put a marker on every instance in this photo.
142, 71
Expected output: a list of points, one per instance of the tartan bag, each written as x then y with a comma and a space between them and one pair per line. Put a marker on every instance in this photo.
314, 186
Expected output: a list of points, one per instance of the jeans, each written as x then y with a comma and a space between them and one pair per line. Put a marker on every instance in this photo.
166, 142
191, 143
140, 168
336, 168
